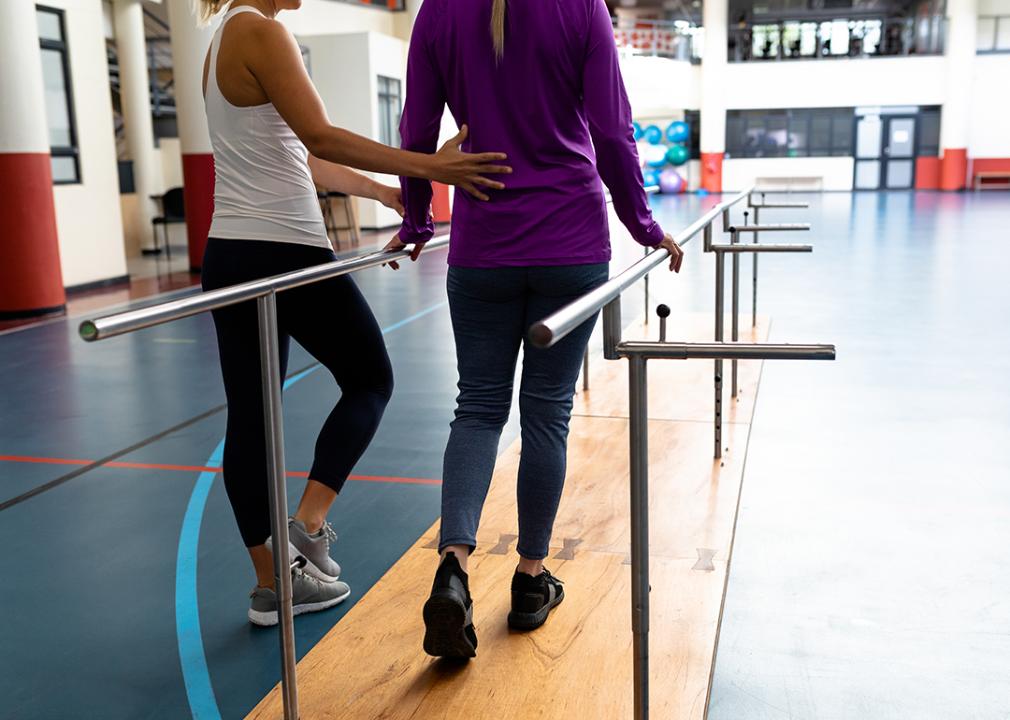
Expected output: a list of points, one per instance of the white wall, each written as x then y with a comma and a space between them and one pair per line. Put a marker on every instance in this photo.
994, 7
325, 17
835, 172
658, 87
988, 124
835, 83
88, 215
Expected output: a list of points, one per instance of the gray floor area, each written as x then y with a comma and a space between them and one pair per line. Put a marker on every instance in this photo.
871, 574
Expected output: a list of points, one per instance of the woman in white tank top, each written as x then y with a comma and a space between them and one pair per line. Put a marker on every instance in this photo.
273, 143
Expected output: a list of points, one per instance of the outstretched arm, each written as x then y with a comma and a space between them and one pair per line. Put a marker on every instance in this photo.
342, 179
278, 68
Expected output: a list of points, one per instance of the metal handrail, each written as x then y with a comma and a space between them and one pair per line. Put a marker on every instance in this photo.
550, 330
133, 320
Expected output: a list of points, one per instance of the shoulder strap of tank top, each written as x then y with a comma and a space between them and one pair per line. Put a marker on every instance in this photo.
215, 43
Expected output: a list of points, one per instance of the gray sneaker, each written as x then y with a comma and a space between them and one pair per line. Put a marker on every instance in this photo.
314, 548
309, 595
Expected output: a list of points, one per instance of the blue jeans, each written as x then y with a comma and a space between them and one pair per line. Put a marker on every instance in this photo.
492, 309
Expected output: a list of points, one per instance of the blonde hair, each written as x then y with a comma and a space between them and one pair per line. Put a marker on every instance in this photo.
498, 27
206, 9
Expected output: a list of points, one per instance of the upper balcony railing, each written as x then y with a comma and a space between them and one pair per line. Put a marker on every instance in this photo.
675, 39
993, 34
840, 38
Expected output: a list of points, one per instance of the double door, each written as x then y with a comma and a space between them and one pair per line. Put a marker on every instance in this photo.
885, 152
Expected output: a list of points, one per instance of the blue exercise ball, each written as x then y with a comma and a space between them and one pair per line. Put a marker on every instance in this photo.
653, 135
655, 155
651, 177
678, 131
637, 127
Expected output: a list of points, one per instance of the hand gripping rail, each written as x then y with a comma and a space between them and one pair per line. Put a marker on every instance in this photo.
264, 292
550, 330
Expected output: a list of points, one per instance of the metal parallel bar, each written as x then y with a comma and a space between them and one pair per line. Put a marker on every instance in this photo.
724, 351
720, 295
273, 422
639, 448
585, 370
774, 227
781, 205
550, 330
735, 320
761, 248
646, 284
132, 320
611, 328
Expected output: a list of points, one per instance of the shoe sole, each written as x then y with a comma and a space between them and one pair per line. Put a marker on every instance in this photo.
445, 623
269, 619
531, 621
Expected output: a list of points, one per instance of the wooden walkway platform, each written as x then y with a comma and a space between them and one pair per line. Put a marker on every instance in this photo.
578, 665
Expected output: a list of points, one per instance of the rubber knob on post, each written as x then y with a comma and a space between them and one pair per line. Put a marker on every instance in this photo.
663, 311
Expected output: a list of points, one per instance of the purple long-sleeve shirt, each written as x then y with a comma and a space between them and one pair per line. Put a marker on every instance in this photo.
555, 103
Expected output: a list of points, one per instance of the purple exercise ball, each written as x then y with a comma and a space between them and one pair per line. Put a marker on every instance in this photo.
671, 182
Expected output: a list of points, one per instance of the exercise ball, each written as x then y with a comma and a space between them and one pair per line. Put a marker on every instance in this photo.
678, 131
677, 155
671, 182
653, 135
650, 177
637, 127
655, 155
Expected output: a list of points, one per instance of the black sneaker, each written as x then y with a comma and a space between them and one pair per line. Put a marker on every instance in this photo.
533, 598
448, 613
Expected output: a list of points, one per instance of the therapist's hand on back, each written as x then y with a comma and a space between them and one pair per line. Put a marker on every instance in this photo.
676, 253
452, 166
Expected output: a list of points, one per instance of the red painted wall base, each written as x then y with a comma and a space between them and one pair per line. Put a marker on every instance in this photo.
953, 169
711, 172
31, 281
927, 173
440, 209
198, 193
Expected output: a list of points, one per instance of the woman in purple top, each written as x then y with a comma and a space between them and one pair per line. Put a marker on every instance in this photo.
540, 81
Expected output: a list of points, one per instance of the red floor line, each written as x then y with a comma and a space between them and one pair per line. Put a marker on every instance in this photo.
199, 468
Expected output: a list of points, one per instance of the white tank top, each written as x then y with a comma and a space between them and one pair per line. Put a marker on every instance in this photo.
264, 189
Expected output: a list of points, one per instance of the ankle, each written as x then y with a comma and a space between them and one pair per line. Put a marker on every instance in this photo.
530, 567
461, 552
312, 523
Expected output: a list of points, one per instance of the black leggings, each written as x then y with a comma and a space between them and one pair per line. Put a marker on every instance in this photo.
333, 322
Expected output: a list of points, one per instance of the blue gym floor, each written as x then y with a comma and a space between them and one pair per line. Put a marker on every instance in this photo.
870, 578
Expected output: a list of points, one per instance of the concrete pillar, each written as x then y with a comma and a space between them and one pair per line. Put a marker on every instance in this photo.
715, 18
189, 51
135, 96
962, 21
31, 282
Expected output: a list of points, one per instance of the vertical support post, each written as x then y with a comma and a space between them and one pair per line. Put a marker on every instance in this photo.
754, 299
273, 423
707, 238
612, 328
585, 370
639, 437
719, 320
646, 293
735, 322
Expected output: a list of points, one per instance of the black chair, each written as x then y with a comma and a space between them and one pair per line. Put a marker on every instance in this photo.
173, 210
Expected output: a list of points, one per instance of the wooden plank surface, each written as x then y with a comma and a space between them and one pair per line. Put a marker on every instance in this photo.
370, 665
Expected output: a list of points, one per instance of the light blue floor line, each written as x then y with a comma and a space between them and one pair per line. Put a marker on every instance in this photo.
195, 673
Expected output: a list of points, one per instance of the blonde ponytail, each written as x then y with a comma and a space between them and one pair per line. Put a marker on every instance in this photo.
207, 9
498, 27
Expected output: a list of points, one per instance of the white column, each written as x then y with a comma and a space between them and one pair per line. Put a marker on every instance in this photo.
715, 17
31, 281
189, 52
962, 22
135, 95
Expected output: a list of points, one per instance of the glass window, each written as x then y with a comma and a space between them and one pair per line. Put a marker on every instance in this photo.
842, 124
390, 106
929, 131
789, 133
58, 96
799, 131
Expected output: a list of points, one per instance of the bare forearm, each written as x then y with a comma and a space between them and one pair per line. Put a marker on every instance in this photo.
342, 179
343, 147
